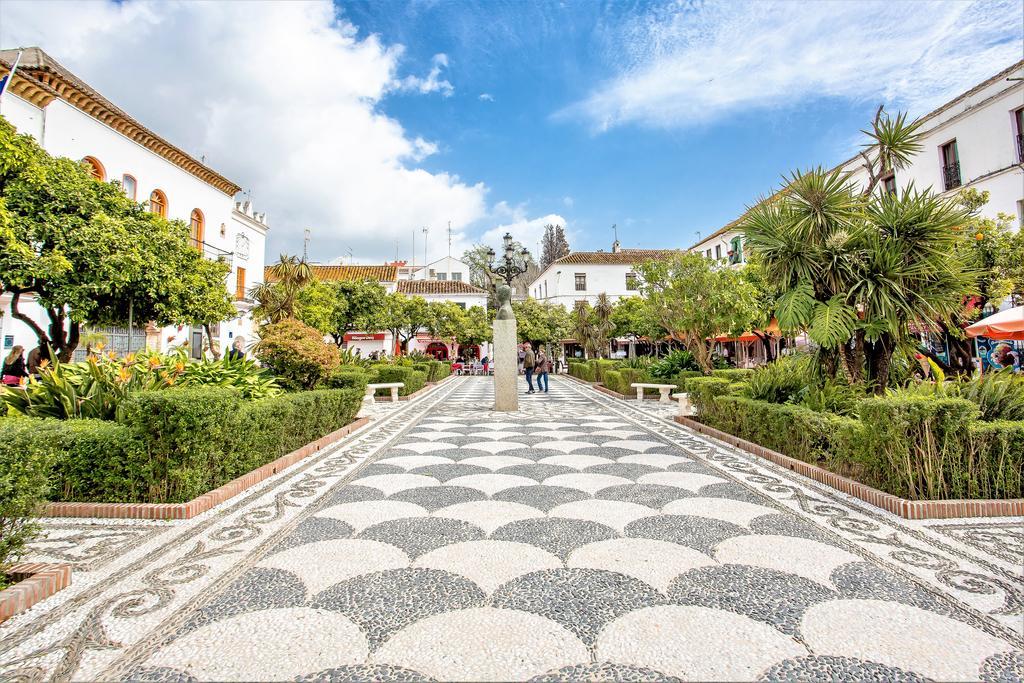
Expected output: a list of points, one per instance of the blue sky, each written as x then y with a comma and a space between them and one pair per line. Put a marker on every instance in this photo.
366, 120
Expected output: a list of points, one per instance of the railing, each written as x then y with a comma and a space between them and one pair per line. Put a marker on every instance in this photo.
212, 252
1020, 147
951, 175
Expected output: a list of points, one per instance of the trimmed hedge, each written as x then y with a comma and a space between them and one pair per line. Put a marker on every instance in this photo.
171, 446
23, 485
413, 379
915, 447
348, 377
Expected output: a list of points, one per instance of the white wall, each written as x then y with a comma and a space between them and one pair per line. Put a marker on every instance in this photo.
63, 130
443, 269
557, 283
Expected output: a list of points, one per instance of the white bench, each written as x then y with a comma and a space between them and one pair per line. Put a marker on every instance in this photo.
371, 389
663, 389
685, 407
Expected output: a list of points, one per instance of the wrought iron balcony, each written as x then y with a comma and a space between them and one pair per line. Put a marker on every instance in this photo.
213, 253
951, 175
1020, 147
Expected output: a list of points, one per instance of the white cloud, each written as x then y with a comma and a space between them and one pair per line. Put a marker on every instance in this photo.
486, 97
283, 98
433, 81
690, 63
523, 229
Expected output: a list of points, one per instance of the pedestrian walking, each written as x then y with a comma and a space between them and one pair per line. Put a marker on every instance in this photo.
529, 363
543, 368
13, 371
237, 351
522, 357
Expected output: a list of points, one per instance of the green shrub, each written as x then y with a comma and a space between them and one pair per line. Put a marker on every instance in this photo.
439, 370
243, 374
98, 461
600, 366
918, 447
793, 430
613, 380
583, 371
24, 483
673, 363
188, 435
778, 382
348, 377
999, 395
386, 373
997, 459
703, 391
297, 354
682, 378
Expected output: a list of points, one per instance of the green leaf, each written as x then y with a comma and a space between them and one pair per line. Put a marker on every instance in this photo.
833, 323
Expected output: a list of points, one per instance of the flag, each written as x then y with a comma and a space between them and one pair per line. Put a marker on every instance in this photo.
7, 79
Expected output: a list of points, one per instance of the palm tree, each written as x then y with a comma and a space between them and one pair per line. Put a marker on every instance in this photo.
276, 296
603, 324
583, 328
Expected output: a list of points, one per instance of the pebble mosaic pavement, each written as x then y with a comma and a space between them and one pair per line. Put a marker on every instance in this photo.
581, 538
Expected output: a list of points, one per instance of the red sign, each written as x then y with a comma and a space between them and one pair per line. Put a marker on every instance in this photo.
353, 336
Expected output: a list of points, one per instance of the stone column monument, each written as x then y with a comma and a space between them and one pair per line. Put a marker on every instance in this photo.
506, 360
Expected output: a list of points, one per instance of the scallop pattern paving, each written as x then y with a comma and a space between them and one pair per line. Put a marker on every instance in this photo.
565, 542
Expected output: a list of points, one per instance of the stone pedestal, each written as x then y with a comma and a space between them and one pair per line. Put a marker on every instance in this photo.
506, 364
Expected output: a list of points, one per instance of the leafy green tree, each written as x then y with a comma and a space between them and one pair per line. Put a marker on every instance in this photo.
632, 319
766, 300
336, 308
444, 320
476, 327
540, 323
403, 316
89, 255
694, 300
603, 325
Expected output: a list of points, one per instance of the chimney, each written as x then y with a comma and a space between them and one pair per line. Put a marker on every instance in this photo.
616, 247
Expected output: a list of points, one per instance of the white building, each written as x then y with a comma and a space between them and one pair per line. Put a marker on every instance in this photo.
70, 119
585, 275
975, 140
397, 277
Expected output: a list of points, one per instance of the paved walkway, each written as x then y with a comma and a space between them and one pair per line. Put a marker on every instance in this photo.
582, 537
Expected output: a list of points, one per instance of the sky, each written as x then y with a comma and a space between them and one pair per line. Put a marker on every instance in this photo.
367, 120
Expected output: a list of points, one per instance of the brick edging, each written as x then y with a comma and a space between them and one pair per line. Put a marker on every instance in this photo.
908, 509
36, 581
205, 501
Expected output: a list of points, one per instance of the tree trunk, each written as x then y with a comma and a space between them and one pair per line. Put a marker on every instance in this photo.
44, 339
213, 347
766, 343
880, 362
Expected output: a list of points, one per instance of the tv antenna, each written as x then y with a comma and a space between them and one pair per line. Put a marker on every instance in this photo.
307, 233
426, 231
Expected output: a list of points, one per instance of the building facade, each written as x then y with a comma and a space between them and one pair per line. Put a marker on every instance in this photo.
975, 140
585, 275
70, 119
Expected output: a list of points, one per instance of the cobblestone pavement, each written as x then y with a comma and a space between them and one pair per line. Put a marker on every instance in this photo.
583, 537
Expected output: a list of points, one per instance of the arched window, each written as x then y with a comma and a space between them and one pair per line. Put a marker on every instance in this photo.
198, 226
158, 203
95, 168
129, 186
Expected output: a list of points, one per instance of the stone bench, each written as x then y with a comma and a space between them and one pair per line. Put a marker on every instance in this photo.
663, 389
685, 407
371, 389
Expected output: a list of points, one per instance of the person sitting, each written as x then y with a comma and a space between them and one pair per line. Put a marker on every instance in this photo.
237, 351
13, 371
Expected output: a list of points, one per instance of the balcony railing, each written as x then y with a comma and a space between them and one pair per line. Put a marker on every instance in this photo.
1020, 147
951, 175
213, 253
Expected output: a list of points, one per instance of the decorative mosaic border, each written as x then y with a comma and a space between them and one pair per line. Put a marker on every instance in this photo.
908, 509
202, 503
36, 581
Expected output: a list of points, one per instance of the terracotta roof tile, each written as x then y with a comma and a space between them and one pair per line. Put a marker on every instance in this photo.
41, 69
624, 257
346, 273
438, 287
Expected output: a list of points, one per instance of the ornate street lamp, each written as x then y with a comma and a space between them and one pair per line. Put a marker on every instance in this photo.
507, 268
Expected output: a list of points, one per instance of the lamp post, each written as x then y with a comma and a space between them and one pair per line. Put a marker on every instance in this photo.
507, 268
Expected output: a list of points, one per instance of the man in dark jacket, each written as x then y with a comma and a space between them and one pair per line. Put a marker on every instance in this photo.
529, 362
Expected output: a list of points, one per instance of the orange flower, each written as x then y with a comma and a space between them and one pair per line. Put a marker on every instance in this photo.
154, 361
124, 375
111, 355
980, 236
179, 366
130, 358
